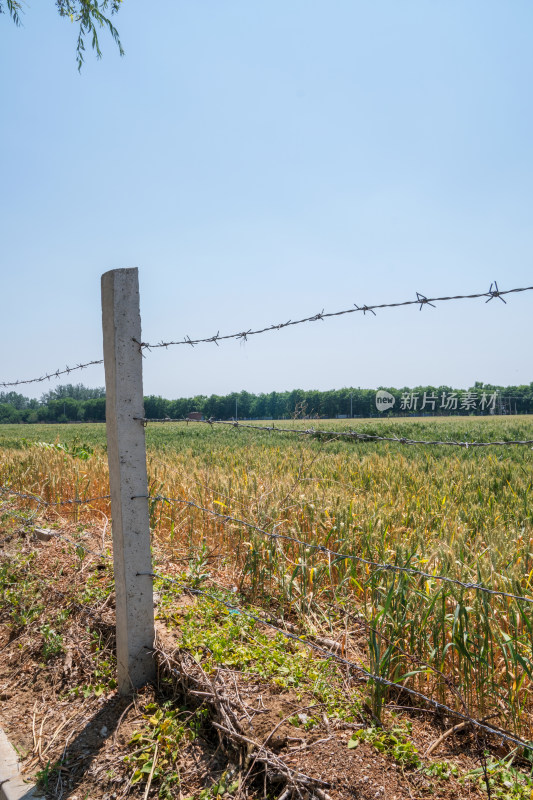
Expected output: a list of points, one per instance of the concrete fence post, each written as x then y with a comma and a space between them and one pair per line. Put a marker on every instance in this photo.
126, 452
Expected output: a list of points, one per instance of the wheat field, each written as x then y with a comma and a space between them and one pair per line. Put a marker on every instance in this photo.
461, 513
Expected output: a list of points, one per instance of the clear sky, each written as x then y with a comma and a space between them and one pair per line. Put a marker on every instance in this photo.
264, 161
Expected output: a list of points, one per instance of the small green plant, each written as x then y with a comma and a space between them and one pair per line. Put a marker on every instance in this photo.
217, 635
394, 743
21, 596
52, 641
157, 745
441, 770
198, 565
47, 774
102, 680
224, 786
97, 586
75, 448
505, 781
303, 721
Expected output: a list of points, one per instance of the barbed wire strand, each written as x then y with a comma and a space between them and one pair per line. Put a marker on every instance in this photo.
363, 437
51, 375
346, 662
420, 301
300, 639
312, 645
386, 567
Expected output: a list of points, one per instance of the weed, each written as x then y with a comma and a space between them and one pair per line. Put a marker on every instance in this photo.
52, 642
226, 785
158, 745
506, 782
394, 743
216, 635
45, 776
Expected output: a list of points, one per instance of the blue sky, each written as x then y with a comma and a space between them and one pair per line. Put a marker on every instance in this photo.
264, 161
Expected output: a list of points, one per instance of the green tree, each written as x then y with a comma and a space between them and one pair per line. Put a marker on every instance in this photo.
94, 409
89, 14
8, 414
76, 392
156, 407
64, 410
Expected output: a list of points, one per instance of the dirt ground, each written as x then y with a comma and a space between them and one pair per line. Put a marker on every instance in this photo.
60, 708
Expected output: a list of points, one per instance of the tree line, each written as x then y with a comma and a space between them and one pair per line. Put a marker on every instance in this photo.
77, 403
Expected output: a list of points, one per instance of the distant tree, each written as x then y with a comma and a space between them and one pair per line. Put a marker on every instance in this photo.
94, 410
213, 407
8, 414
156, 407
245, 401
14, 399
90, 14
259, 406
76, 392
179, 408
64, 410
72, 403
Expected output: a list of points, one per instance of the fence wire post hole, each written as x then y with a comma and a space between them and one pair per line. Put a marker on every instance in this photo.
126, 448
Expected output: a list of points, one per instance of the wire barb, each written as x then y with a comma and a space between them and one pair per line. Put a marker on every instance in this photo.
495, 293
302, 639
364, 309
422, 299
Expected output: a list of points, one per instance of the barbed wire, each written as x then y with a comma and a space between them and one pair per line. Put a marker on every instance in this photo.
363, 437
346, 662
51, 375
386, 567
381, 566
421, 301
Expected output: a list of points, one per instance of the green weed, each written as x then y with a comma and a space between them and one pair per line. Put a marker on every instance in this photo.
158, 746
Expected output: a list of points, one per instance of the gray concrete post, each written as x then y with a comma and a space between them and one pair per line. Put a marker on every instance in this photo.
126, 453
